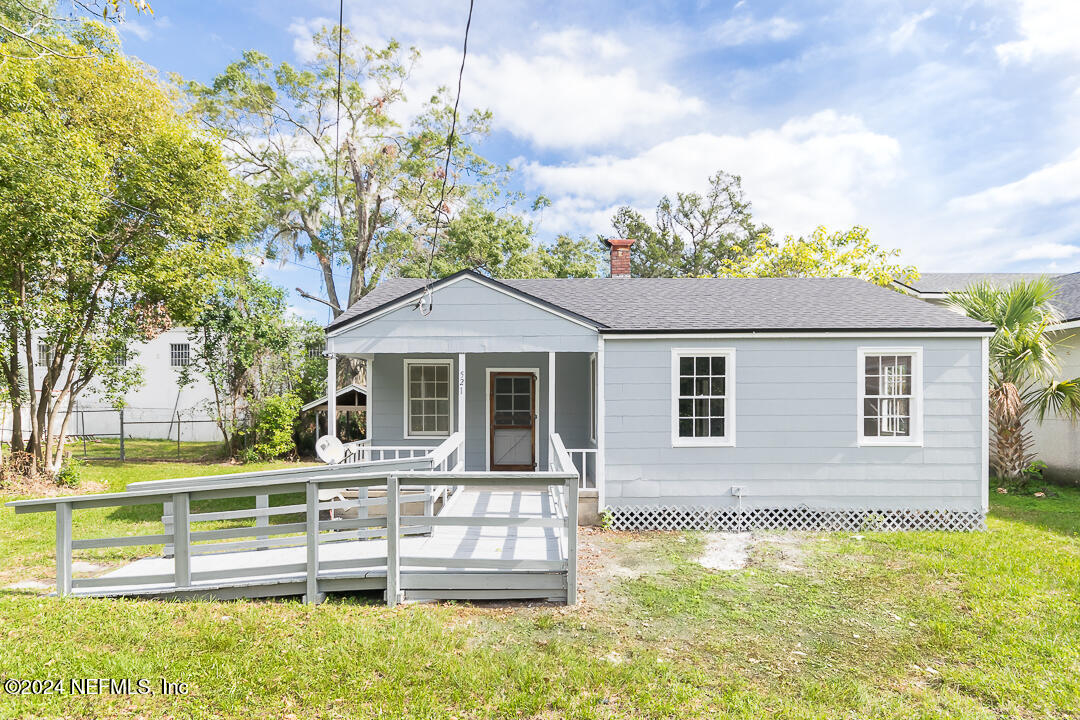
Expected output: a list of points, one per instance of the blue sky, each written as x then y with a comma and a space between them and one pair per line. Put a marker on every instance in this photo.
947, 128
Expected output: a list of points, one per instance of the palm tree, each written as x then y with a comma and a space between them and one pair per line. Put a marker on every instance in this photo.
1023, 366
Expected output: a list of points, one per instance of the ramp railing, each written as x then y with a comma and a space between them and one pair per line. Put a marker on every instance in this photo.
303, 523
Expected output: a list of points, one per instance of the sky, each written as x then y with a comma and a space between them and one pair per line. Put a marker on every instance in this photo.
949, 129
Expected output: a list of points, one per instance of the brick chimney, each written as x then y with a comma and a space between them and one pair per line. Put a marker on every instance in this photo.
620, 256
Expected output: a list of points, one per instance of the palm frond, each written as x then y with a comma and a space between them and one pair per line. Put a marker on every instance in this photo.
1059, 399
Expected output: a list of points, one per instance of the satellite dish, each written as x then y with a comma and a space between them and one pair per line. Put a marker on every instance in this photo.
330, 450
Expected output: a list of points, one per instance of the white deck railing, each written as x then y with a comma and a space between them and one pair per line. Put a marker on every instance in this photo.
584, 462
444, 457
313, 532
364, 451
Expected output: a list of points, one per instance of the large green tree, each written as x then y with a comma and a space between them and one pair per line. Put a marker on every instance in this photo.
694, 233
280, 125
248, 347
848, 253
34, 29
116, 217
503, 245
1024, 367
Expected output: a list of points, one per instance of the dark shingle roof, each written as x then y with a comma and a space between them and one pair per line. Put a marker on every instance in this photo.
1068, 297
712, 304
954, 282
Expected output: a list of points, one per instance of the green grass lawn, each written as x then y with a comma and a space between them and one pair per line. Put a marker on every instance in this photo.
877, 625
158, 450
27, 542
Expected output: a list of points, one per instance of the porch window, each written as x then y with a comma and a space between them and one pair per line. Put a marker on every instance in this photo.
427, 398
703, 397
889, 396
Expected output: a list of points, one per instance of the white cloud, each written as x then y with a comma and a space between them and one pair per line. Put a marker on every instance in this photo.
744, 30
557, 100
900, 38
1050, 185
1046, 251
812, 170
138, 29
1046, 27
566, 89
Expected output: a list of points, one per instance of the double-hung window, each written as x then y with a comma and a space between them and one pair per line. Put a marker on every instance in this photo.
427, 398
45, 353
702, 397
890, 396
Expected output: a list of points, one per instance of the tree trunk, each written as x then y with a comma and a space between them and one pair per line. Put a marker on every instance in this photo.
13, 378
1011, 447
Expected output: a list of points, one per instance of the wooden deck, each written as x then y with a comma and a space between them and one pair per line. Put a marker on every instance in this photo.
453, 562
413, 527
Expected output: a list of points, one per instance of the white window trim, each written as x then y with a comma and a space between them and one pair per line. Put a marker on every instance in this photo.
728, 440
916, 437
172, 356
449, 363
592, 397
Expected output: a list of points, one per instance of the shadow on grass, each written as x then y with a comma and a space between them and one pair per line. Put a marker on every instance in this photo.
1059, 512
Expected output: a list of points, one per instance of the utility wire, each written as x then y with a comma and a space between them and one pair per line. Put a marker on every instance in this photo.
446, 164
337, 122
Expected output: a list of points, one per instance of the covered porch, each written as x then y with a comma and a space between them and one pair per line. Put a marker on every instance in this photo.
503, 405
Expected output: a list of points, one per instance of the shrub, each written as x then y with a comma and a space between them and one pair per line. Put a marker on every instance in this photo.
70, 472
270, 435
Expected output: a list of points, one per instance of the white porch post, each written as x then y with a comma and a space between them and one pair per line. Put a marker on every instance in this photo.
331, 392
551, 404
601, 460
461, 406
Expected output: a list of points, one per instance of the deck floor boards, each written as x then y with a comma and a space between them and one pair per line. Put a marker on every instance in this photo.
445, 542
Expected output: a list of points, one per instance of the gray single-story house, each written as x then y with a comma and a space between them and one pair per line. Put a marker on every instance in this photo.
715, 403
1057, 439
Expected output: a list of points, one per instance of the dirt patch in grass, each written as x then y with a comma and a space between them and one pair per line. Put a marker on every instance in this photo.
784, 551
606, 557
726, 551
42, 486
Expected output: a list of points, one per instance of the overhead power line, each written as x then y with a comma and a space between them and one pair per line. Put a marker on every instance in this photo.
446, 166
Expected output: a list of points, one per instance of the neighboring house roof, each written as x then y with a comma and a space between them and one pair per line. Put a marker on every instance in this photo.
353, 387
937, 285
941, 283
647, 305
1068, 297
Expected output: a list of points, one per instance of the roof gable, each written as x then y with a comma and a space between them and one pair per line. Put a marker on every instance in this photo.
396, 292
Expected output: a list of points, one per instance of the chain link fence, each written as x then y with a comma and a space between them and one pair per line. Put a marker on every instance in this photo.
138, 434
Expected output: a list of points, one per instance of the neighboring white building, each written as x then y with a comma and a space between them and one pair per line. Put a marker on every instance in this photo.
151, 409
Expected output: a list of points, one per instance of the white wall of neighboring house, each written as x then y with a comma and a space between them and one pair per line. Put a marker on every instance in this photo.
151, 408
1057, 440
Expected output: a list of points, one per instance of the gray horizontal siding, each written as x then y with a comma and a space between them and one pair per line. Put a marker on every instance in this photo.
468, 317
571, 400
796, 429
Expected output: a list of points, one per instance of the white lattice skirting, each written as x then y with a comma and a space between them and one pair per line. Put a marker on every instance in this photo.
798, 518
